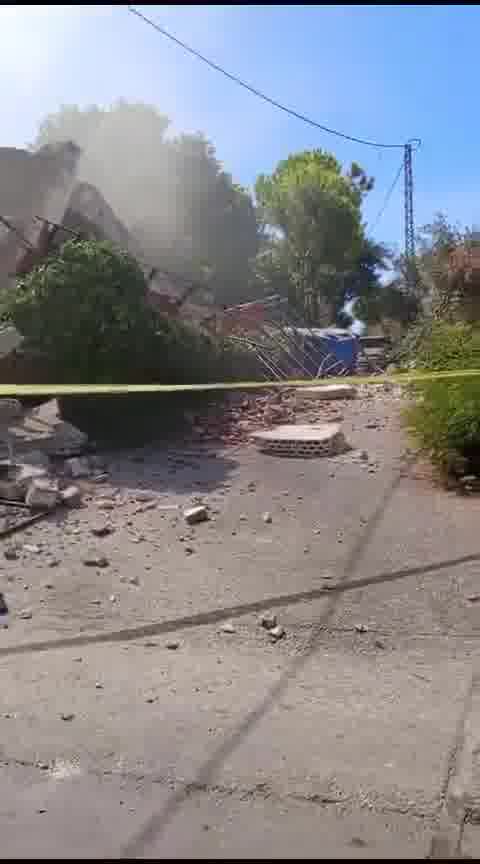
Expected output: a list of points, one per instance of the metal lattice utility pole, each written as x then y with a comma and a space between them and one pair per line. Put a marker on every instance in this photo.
409, 222
409, 225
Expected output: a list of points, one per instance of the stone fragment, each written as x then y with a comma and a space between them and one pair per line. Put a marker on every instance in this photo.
195, 515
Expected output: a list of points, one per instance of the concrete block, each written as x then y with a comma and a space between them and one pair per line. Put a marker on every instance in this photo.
42, 494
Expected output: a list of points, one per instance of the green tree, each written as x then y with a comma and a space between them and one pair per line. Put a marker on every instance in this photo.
314, 213
172, 193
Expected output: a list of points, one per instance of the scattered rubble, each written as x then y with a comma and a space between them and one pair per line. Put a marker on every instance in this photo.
32, 547
42, 494
267, 518
470, 483
195, 515
106, 504
361, 628
277, 632
228, 627
172, 646
94, 559
268, 620
102, 530
26, 615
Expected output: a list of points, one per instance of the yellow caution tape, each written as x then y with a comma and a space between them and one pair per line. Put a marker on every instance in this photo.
403, 378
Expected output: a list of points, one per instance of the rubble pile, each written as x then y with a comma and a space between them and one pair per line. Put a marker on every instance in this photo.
42, 483
234, 421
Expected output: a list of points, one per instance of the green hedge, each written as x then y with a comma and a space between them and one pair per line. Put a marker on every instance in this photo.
445, 416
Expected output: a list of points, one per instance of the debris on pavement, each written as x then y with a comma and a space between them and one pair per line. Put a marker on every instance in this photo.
71, 496
102, 530
67, 717
195, 515
228, 627
42, 494
26, 614
172, 646
268, 620
94, 559
106, 504
31, 547
267, 517
277, 632
361, 628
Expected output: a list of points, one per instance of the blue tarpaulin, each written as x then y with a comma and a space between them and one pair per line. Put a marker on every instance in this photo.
340, 347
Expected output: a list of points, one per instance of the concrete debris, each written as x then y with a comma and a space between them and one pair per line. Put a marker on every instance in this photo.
42, 494
102, 530
93, 559
195, 515
227, 627
172, 646
277, 632
16, 479
106, 504
31, 547
144, 497
71, 496
267, 518
77, 467
470, 483
268, 620
361, 628
142, 508
26, 615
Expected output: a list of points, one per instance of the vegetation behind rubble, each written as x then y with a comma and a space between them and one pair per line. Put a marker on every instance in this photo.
445, 416
85, 310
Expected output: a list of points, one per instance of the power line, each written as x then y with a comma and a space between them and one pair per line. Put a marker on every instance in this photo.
255, 91
389, 194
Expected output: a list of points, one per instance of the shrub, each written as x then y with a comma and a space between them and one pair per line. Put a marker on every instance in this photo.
445, 417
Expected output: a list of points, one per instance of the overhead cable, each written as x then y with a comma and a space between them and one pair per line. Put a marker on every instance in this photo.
256, 92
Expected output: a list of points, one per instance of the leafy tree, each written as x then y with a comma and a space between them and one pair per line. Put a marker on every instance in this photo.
171, 192
314, 211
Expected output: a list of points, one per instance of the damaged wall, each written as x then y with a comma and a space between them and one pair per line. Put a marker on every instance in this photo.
32, 184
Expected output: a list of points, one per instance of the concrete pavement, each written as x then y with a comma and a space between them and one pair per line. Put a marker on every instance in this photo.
343, 739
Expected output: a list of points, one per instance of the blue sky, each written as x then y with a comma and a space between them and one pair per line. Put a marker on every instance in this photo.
382, 72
